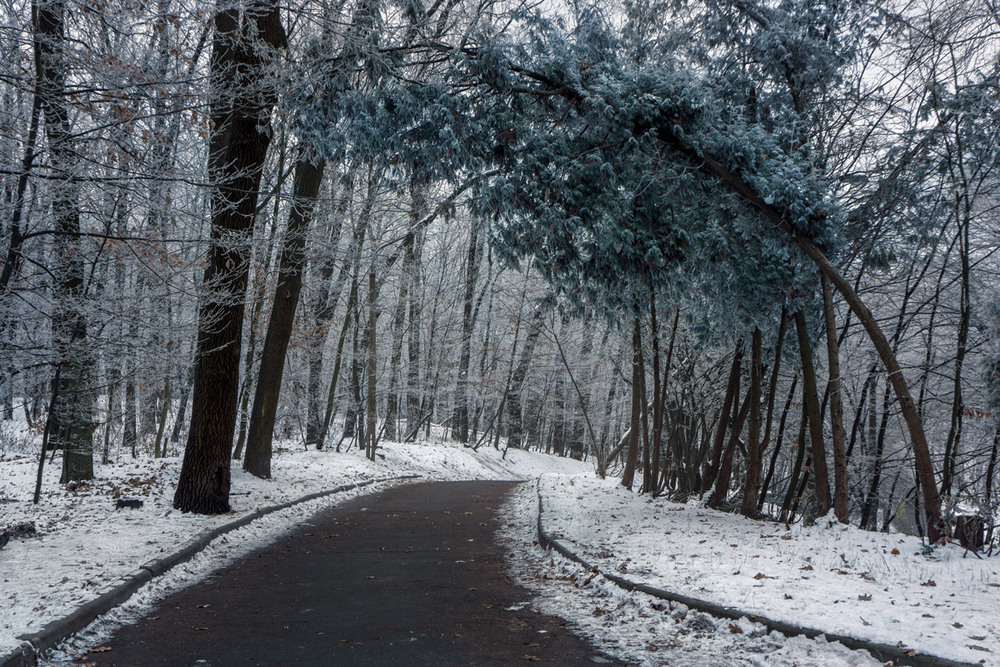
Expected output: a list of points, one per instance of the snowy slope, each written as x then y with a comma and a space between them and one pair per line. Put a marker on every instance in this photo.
835, 578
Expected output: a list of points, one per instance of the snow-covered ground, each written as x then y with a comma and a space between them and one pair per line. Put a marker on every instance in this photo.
84, 543
885, 588
836, 579
637, 629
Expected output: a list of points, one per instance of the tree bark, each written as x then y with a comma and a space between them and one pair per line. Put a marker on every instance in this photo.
308, 177
241, 106
721, 490
811, 401
513, 393
70, 418
460, 416
631, 459
777, 445
914, 425
712, 469
751, 489
324, 308
840, 481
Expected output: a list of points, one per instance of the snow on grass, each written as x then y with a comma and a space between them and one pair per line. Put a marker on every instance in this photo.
84, 543
835, 578
635, 628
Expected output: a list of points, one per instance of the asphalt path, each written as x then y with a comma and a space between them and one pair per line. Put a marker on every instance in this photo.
409, 576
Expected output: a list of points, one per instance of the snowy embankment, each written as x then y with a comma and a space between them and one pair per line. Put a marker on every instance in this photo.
84, 543
837, 579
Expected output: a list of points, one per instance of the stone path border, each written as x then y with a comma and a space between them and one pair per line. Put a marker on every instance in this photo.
900, 655
114, 594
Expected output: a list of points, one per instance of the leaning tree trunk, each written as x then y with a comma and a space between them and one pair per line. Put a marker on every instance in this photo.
308, 177
774, 216
241, 106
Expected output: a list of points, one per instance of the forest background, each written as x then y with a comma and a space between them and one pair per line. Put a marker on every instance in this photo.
738, 249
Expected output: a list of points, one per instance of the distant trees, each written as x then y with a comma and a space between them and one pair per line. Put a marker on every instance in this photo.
591, 234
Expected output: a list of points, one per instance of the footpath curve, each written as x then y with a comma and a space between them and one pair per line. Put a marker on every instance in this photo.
114, 594
900, 655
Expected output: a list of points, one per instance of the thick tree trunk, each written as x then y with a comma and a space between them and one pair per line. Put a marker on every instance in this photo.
308, 177
241, 107
70, 418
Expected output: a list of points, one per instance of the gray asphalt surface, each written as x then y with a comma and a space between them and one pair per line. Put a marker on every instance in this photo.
410, 576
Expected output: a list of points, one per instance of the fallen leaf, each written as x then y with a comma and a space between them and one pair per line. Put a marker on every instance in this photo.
735, 629
929, 582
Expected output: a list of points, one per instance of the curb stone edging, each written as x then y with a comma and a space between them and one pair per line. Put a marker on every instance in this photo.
114, 594
885, 652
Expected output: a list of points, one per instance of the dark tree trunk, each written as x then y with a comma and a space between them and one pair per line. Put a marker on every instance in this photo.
797, 467
652, 483
632, 457
241, 107
308, 177
836, 409
777, 446
869, 511
371, 434
460, 416
811, 400
414, 388
755, 454
721, 490
70, 418
957, 407
712, 469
